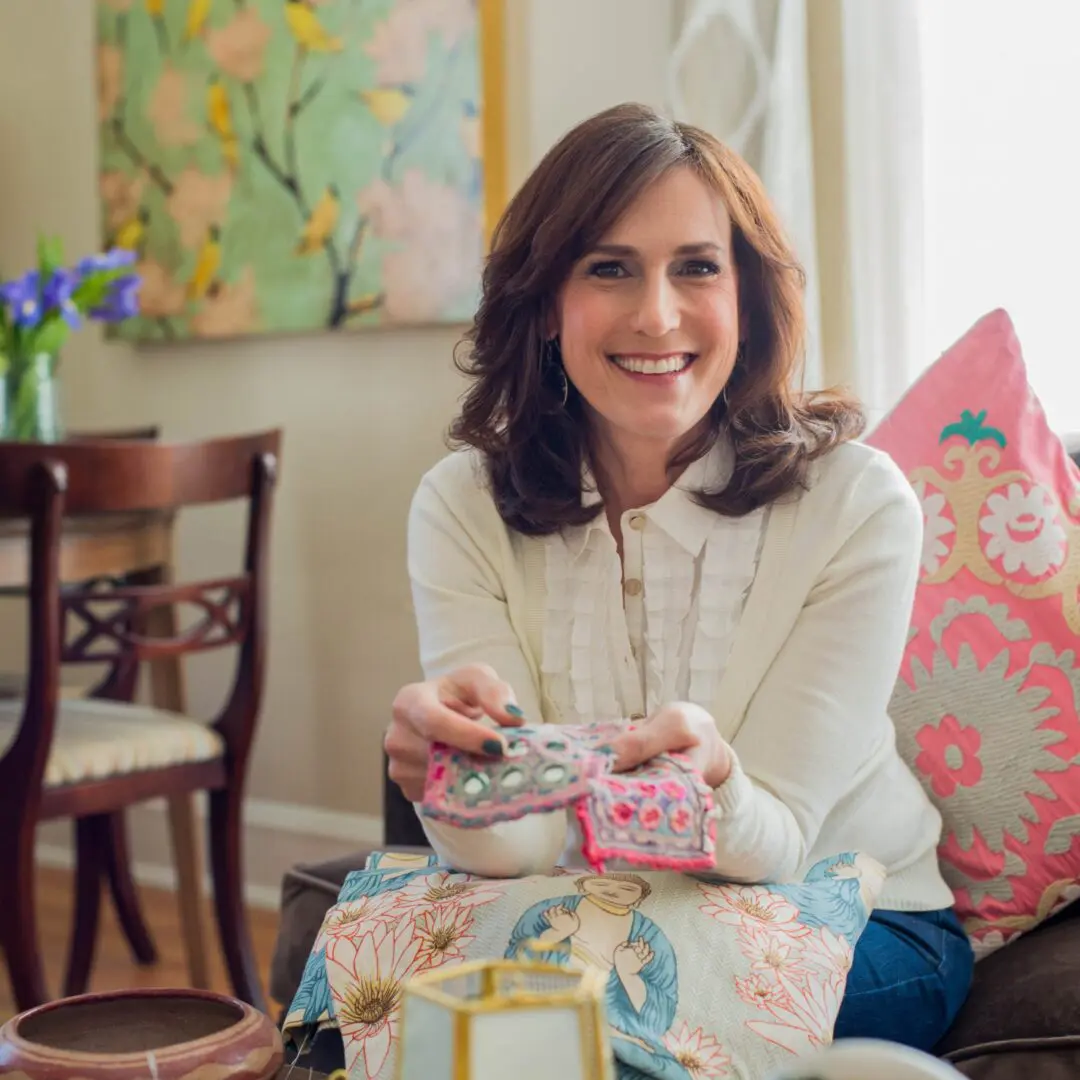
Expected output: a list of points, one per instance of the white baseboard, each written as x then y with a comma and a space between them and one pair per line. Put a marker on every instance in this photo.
276, 836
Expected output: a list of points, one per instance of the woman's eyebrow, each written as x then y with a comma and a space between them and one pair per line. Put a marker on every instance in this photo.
625, 251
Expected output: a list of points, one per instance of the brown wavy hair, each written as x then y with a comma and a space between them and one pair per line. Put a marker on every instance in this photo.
534, 443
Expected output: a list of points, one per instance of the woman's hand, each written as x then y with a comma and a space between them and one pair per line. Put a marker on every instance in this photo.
679, 728
446, 710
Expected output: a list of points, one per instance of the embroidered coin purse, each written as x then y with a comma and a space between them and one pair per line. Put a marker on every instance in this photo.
657, 816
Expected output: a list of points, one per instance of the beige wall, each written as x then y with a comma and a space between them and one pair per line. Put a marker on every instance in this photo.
363, 413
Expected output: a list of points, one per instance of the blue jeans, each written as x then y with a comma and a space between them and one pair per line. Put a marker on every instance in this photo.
911, 973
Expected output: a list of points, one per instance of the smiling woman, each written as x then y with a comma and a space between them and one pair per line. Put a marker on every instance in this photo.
648, 524
638, 247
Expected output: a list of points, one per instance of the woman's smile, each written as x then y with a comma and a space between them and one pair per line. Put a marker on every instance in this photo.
655, 368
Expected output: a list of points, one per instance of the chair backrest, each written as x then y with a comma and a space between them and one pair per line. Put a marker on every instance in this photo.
50, 482
108, 475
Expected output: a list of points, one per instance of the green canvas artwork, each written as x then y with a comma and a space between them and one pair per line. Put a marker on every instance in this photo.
285, 165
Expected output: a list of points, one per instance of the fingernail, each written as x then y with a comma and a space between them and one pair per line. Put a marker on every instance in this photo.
514, 711
493, 748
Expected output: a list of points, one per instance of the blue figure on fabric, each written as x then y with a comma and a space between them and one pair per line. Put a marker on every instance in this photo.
844, 909
311, 1004
385, 872
602, 928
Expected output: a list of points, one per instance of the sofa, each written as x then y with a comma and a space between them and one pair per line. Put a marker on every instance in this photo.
1021, 1021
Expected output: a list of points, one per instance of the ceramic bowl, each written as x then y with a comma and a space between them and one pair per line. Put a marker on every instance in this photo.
135, 1034
867, 1059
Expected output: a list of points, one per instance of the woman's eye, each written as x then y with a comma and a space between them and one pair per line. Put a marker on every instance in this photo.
700, 268
607, 270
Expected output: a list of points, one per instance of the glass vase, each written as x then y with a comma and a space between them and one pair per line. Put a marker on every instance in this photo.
30, 402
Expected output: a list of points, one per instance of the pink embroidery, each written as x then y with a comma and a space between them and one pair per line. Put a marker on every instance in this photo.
987, 706
657, 816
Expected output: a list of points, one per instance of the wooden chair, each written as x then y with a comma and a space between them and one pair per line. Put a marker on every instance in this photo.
90, 759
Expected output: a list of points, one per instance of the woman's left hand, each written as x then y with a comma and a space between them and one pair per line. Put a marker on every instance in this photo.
679, 728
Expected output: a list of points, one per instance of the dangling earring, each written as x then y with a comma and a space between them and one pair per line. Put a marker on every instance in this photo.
553, 359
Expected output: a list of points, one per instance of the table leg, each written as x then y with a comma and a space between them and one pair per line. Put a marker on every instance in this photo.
167, 692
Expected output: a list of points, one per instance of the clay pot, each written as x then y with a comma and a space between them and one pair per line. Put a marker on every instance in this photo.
140, 1034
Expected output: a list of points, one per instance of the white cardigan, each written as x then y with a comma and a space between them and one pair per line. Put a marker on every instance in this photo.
788, 625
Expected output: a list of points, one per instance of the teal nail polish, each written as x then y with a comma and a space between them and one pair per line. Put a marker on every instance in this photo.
514, 711
493, 748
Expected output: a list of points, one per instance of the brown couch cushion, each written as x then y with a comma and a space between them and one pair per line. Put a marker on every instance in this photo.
1022, 1018
307, 893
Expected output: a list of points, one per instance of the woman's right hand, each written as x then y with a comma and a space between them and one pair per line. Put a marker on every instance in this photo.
446, 710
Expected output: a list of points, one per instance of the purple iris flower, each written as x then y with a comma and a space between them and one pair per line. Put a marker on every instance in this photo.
57, 294
21, 295
111, 260
121, 302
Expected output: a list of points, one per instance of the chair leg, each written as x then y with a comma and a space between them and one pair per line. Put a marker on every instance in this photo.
226, 860
188, 859
18, 919
91, 847
125, 895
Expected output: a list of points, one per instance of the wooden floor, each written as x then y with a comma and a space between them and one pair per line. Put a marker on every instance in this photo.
114, 968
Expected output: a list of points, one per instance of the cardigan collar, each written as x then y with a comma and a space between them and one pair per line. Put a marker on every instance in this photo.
676, 512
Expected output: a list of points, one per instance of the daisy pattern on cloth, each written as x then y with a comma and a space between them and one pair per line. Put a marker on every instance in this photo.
703, 979
1021, 528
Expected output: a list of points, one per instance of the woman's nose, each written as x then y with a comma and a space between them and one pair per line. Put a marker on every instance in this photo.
657, 310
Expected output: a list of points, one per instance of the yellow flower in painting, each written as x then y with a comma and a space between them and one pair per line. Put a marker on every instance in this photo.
321, 222
132, 233
310, 34
206, 265
388, 104
219, 117
198, 12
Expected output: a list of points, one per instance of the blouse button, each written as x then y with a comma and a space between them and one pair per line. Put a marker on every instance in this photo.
633, 587
637, 522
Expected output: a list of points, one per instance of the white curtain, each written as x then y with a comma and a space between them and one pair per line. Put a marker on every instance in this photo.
883, 180
738, 69
1002, 182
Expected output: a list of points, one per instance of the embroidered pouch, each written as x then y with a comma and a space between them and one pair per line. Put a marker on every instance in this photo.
704, 980
658, 816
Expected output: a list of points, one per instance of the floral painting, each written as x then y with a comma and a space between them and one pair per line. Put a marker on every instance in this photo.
285, 165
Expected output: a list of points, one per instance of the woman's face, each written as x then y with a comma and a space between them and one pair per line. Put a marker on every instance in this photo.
648, 322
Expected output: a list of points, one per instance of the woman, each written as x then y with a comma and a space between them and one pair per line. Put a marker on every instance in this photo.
650, 522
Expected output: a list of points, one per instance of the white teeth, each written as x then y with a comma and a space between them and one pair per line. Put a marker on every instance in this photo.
652, 367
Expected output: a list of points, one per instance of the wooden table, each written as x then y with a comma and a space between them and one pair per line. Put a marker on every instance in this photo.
116, 546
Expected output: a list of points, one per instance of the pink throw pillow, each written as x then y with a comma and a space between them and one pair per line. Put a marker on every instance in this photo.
986, 706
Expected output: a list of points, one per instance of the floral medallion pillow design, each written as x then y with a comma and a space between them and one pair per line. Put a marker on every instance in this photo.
987, 706
704, 980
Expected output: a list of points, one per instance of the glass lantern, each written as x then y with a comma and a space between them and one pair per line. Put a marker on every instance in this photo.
489, 1020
